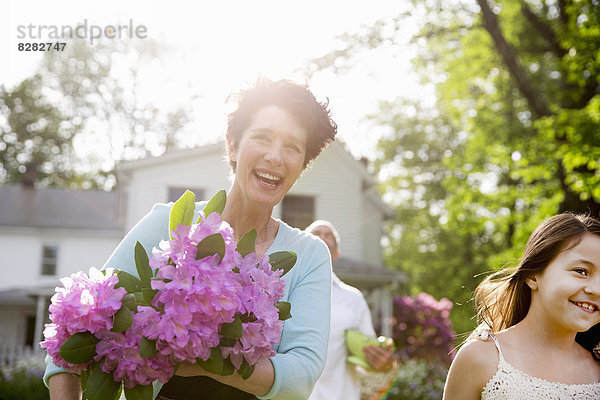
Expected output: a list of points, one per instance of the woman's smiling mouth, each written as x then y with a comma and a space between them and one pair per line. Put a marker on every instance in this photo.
267, 179
589, 307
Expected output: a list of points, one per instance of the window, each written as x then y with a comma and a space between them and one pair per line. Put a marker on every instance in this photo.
49, 254
298, 211
176, 192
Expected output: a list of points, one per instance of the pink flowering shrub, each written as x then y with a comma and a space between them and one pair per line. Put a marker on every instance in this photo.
201, 297
422, 327
84, 303
118, 353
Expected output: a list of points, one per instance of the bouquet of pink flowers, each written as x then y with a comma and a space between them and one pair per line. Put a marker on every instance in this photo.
201, 297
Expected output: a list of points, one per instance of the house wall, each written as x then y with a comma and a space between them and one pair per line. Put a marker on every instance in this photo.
149, 185
335, 180
21, 263
21, 252
371, 227
337, 188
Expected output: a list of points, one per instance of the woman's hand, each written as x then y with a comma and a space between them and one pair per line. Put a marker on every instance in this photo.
187, 369
259, 383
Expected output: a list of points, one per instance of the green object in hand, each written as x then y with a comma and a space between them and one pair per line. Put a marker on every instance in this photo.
355, 343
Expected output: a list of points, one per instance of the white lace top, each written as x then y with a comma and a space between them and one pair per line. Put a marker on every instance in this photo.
511, 383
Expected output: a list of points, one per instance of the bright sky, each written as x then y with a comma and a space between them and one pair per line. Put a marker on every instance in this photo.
223, 45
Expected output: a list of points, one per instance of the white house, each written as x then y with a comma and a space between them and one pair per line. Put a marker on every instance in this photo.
46, 234
49, 233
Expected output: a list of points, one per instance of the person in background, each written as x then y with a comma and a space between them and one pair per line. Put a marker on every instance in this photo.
340, 380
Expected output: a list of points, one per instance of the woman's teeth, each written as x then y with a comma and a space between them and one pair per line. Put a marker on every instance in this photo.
588, 306
268, 179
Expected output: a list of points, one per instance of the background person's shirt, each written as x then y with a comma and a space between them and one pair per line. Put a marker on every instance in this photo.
340, 380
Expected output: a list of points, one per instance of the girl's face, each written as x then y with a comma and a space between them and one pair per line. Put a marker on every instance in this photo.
568, 290
269, 156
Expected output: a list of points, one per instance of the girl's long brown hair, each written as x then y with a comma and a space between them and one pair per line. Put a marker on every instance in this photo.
503, 298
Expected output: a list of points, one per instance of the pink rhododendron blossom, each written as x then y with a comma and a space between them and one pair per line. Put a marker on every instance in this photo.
84, 304
55, 336
118, 353
194, 298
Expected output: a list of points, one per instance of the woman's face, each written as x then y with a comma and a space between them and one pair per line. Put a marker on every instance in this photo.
269, 156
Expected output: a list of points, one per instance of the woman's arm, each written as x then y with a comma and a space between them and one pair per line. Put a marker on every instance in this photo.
474, 365
65, 386
259, 383
302, 351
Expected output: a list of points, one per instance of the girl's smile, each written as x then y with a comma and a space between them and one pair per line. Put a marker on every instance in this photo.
585, 306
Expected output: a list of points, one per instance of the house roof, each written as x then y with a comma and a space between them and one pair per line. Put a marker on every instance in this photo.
171, 156
58, 208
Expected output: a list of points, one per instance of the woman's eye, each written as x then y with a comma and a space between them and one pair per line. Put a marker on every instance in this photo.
581, 271
294, 148
261, 136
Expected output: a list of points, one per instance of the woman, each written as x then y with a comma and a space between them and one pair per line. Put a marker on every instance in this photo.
276, 130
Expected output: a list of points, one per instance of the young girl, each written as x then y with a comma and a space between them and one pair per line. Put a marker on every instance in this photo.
535, 312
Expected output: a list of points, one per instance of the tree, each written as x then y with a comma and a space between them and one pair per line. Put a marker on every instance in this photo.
35, 134
95, 97
513, 138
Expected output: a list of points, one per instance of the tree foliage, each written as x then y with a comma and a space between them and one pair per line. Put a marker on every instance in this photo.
35, 133
85, 94
513, 138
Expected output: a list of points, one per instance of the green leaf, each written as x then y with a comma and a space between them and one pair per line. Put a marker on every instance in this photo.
142, 265
140, 300
216, 204
129, 282
101, 386
227, 342
214, 363
118, 395
245, 370
85, 374
284, 310
182, 211
232, 330
248, 317
149, 294
79, 348
228, 368
123, 320
284, 260
212, 244
129, 301
139, 392
246, 245
147, 347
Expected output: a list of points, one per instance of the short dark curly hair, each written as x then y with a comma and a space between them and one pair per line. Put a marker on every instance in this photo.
297, 99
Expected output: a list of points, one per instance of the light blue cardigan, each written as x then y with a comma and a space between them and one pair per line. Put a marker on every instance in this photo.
301, 353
